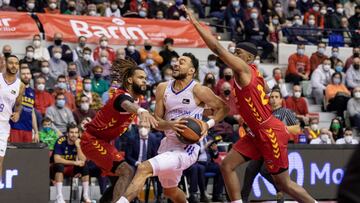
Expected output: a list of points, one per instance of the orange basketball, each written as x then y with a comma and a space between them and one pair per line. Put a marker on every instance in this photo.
192, 133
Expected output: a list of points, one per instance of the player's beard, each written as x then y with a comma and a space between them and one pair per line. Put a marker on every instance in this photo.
181, 76
138, 90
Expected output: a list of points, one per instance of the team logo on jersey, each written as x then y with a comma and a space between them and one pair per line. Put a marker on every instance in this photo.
186, 101
13, 92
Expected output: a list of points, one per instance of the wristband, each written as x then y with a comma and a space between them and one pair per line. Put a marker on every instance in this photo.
140, 110
211, 123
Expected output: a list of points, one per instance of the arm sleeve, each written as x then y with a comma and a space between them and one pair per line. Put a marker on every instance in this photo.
57, 148
120, 99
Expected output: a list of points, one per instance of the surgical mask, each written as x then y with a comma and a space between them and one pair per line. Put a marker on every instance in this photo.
62, 85
212, 64
321, 50
348, 139
40, 87
275, 21
254, 16
311, 22
46, 129
103, 43
52, 5
339, 69
236, 4
45, 70
300, 51
72, 73
316, 8
87, 87
323, 11
103, 59
227, 77
36, 43
142, 14
84, 106
314, 127
357, 95
337, 81
335, 54
149, 62
30, 54
143, 132
326, 68
298, 22
97, 76
297, 94
87, 57
57, 42
232, 50
131, 49
60, 103
324, 137
92, 13
250, 4
31, 6
57, 55
278, 9
340, 10
114, 6
168, 77
227, 92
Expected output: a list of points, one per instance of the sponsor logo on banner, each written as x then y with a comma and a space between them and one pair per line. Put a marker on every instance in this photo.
15, 25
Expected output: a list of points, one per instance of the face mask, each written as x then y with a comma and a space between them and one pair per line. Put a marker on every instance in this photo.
103, 59
92, 13
57, 55
142, 14
324, 137
71, 8
356, 55
30, 55
339, 10
103, 43
157, 1
144, 132
84, 106
212, 64
250, 4
300, 51
87, 87
97, 76
227, 92
60, 103
335, 54
236, 4
31, 6
210, 80
87, 57
257, 62
7, 54
82, 44
335, 126
356, 66
52, 5
321, 50
339, 69
314, 127
311, 22
72, 73
348, 139
36, 43
46, 129
337, 81
62, 85
275, 21
57, 42
227, 77
304, 1
298, 22
277, 77
45, 70
40, 87
297, 94
316, 8
122, 1
168, 77
323, 11
149, 62
147, 47
326, 68
254, 16
131, 49
278, 9
357, 95
114, 7
232, 50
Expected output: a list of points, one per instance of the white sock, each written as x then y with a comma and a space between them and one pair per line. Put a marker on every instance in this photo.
237, 201
122, 200
58, 186
85, 189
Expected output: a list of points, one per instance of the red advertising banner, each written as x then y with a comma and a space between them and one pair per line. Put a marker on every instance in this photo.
16, 25
119, 30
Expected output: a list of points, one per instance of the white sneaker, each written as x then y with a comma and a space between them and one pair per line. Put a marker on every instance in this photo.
60, 199
87, 200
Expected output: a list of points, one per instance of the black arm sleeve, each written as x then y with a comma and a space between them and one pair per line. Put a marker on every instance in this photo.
120, 99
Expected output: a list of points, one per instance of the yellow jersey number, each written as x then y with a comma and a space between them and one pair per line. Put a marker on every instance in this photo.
263, 98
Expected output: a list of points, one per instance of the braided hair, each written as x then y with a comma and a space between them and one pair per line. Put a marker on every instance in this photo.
122, 69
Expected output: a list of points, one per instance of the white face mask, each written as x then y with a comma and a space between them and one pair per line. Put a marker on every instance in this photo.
87, 57
311, 22
297, 94
326, 68
314, 127
257, 62
92, 13
52, 5
31, 6
103, 43
41, 87
45, 70
144, 132
324, 137
37, 43
30, 54
103, 60
57, 55
131, 49
348, 139
168, 77
84, 106
323, 11
212, 63
232, 50
114, 6
340, 10
357, 95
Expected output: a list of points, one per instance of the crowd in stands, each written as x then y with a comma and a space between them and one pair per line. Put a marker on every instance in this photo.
68, 85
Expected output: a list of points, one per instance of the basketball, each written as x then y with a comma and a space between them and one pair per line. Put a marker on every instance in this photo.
192, 132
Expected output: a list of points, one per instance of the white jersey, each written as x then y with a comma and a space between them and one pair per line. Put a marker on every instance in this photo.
178, 105
8, 95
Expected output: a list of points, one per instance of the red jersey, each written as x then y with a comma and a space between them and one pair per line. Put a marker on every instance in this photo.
109, 123
252, 101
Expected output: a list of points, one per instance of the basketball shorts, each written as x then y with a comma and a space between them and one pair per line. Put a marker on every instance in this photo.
20, 136
269, 141
169, 165
101, 152
4, 135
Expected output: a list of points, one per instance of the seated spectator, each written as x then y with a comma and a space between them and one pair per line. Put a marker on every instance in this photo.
349, 8
48, 134
304, 6
152, 70
45, 73
195, 174
124, 6
113, 10
43, 99
6, 6
335, 59
335, 19
277, 80
84, 64
310, 33
155, 6
120, 54
105, 63
210, 67
74, 79
168, 72
209, 80
278, 13
353, 108
66, 53
336, 128
299, 66
32, 63
227, 93
92, 10
136, 5
83, 111
59, 113
168, 52
339, 68
325, 137
294, 32
41, 53
144, 53
199, 5
71, 8
257, 33
355, 19
350, 60
98, 84
315, 10
318, 57
292, 10
336, 94
69, 160
56, 65
348, 138
63, 87
234, 16
78, 52
298, 104
131, 51
30, 6
275, 30
228, 77
6, 52
353, 74
143, 13
320, 78
103, 46
313, 131
175, 12
52, 7
94, 98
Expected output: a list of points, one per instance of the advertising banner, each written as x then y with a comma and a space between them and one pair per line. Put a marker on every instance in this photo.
17, 25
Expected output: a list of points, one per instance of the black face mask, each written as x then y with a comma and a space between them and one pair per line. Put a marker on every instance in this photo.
210, 80
137, 89
148, 47
227, 77
71, 9
356, 55
227, 92
82, 44
72, 73
58, 42
356, 66
7, 54
97, 76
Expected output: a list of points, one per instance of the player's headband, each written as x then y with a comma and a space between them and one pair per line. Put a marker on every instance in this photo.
247, 46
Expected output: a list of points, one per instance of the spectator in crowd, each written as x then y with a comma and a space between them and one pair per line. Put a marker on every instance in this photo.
231, 47
257, 33
43, 99
31, 6
22, 131
113, 10
277, 80
335, 19
155, 6
353, 108
313, 130
52, 7
350, 60
160, 15
348, 138
310, 33
275, 30
71, 8
304, 6
318, 57
234, 16
299, 66
209, 80
277, 12
48, 134
152, 70
69, 160
45, 73
6, 6
336, 128
298, 104
295, 33
83, 111
40, 52
131, 51
6, 52
210, 67
336, 94
84, 64
124, 6
349, 37
168, 52
78, 52
104, 46
32, 63
175, 11
349, 8
228, 77
292, 10
324, 137
335, 59
168, 71
353, 74
249, 6
136, 5
355, 19
105, 63
98, 84
63, 87
56, 64
144, 53
315, 10
94, 98
66, 53
110, 92
92, 10
120, 54
199, 5
74, 80
227, 93
59, 113
339, 68
320, 78
143, 12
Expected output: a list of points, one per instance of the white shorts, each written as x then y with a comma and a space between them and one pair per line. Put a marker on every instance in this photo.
4, 135
169, 165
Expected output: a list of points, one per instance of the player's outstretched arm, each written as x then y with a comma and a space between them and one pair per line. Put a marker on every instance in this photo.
235, 63
143, 114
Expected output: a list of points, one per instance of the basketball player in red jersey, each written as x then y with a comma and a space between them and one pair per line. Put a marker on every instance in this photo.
113, 120
270, 135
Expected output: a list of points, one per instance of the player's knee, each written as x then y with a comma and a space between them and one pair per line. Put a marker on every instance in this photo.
59, 168
145, 169
124, 169
226, 166
168, 192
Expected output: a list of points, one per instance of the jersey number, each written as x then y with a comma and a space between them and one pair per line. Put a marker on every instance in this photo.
264, 100
2, 107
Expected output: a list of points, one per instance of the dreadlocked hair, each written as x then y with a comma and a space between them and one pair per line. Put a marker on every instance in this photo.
122, 69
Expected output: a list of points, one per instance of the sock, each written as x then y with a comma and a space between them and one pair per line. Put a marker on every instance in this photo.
58, 186
85, 190
237, 201
122, 200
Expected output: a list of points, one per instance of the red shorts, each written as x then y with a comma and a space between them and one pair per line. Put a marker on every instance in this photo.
20, 136
270, 142
101, 152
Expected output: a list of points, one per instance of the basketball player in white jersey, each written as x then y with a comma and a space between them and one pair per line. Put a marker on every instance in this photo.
176, 99
11, 91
